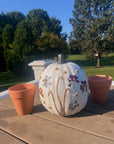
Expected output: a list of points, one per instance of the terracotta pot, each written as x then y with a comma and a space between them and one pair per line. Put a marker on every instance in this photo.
22, 96
99, 86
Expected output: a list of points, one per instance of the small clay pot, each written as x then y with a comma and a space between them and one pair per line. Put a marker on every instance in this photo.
99, 86
22, 96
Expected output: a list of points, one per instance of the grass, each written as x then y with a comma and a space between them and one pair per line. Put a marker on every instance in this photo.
89, 65
102, 71
8, 79
82, 61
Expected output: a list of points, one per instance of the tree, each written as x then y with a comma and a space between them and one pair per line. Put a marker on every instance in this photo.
91, 23
2, 60
50, 45
39, 21
7, 39
22, 44
41, 25
8, 24
3, 20
55, 26
22, 48
75, 46
24, 38
14, 17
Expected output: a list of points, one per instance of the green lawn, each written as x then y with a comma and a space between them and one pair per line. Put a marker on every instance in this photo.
8, 79
89, 65
102, 71
82, 61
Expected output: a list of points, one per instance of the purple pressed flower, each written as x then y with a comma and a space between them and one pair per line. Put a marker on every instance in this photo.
72, 106
83, 86
72, 79
46, 81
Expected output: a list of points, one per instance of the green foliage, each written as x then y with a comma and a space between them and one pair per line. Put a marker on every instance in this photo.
8, 24
25, 38
75, 46
2, 60
14, 17
7, 39
3, 20
7, 35
55, 26
22, 44
39, 21
22, 48
51, 45
93, 26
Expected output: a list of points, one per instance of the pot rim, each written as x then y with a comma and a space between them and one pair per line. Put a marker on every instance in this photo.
28, 87
99, 78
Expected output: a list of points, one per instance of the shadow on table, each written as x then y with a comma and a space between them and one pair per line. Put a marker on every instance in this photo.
96, 109
39, 108
100, 108
90, 109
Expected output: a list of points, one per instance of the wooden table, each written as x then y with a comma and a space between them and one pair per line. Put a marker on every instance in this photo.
93, 125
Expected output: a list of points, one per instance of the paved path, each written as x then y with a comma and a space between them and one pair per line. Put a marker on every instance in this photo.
93, 125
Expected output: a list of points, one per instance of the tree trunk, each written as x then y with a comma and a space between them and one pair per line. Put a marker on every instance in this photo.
98, 60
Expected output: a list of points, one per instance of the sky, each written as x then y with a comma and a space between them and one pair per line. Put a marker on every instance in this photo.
61, 9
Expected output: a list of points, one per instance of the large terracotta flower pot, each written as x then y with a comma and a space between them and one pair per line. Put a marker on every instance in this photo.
22, 96
99, 86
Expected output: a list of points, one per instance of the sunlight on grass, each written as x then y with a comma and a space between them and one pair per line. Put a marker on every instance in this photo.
75, 57
82, 61
99, 71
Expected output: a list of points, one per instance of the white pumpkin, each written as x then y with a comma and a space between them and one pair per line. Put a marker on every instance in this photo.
63, 88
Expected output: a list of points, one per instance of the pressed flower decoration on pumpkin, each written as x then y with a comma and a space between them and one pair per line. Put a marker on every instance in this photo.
41, 92
75, 94
83, 86
72, 106
72, 79
63, 88
46, 81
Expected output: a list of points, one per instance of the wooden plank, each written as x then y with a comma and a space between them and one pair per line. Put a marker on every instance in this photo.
6, 138
36, 130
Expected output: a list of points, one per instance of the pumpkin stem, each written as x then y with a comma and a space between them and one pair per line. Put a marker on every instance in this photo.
61, 59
